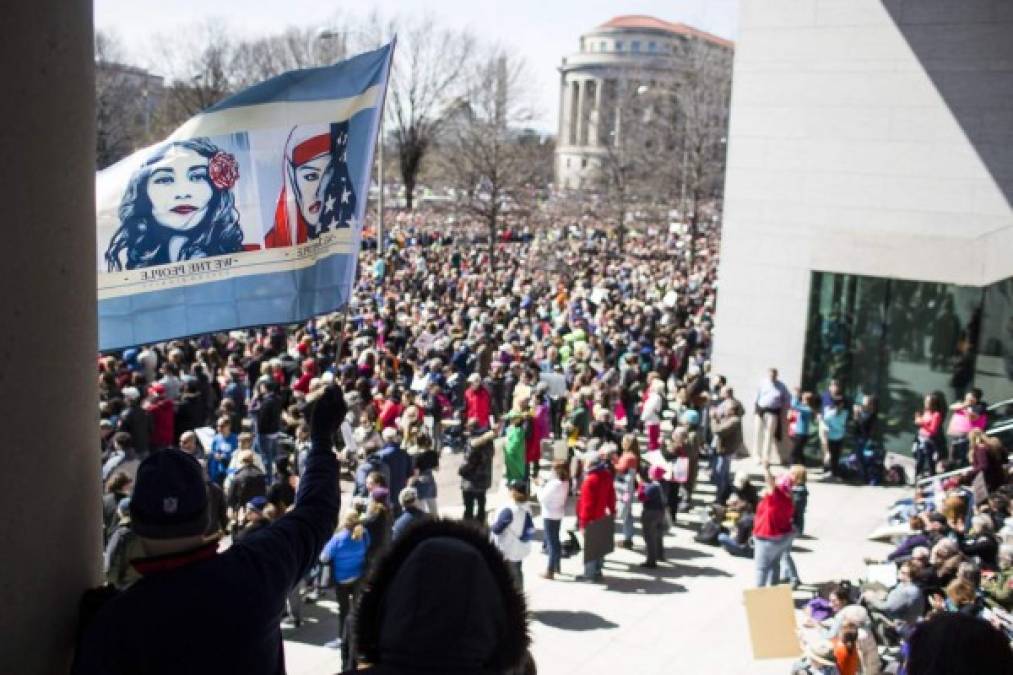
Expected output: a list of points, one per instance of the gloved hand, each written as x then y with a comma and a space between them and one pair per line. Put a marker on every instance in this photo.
328, 412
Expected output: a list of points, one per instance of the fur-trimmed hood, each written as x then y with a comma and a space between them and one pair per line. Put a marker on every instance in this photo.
442, 599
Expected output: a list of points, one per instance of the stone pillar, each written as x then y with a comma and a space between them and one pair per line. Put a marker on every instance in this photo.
564, 123
599, 113
50, 525
572, 98
581, 138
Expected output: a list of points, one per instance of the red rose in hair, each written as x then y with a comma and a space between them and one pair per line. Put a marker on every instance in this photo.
223, 170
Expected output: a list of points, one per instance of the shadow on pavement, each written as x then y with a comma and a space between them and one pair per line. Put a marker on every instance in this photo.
570, 620
670, 570
319, 625
653, 585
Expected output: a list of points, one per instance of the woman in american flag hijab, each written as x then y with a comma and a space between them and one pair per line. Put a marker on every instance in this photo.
317, 194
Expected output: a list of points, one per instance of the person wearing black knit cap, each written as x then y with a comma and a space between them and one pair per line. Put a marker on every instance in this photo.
441, 600
241, 592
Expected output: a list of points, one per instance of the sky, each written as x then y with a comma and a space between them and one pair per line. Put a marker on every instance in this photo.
543, 31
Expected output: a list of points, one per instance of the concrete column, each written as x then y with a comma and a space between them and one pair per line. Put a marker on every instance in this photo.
50, 524
598, 112
572, 94
564, 123
581, 138
620, 93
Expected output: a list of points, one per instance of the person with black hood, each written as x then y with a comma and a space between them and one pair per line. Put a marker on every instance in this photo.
476, 470
149, 627
442, 600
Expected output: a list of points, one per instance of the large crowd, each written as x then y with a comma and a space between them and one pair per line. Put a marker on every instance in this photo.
585, 373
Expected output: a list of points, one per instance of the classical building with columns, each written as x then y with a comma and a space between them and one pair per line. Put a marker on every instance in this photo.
615, 59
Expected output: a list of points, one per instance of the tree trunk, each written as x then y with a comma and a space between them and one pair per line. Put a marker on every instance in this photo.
621, 229
409, 192
492, 242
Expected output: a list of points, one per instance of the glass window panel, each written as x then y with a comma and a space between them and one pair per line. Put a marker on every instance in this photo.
930, 348
900, 340
994, 365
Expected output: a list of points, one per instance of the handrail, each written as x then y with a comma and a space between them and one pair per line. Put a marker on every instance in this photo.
943, 476
996, 406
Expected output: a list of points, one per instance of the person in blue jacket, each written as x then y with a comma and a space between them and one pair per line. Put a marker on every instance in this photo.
346, 553
148, 628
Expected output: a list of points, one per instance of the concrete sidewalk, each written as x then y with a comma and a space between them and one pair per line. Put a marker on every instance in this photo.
687, 615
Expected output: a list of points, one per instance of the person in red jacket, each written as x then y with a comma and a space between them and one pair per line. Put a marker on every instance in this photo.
162, 413
390, 411
772, 527
597, 499
477, 402
309, 371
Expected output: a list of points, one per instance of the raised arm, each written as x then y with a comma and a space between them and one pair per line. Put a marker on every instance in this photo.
768, 477
286, 550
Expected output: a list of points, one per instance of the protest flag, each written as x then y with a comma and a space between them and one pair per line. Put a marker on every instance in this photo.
249, 214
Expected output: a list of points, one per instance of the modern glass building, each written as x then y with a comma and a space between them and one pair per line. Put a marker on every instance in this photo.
868, 229
899, 340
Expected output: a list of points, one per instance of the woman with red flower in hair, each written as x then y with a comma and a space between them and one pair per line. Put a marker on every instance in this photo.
178, 206
317, 194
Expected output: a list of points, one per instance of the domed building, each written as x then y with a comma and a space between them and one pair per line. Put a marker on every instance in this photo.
616, 59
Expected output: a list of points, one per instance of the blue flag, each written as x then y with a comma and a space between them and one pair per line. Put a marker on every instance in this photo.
249, 214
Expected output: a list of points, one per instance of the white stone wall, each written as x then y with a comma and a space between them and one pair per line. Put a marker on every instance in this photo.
850, 150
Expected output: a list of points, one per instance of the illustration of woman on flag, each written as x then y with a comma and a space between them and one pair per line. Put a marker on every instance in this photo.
178, 206
317, 194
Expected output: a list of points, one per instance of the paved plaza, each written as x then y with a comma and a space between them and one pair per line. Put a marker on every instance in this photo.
687, 616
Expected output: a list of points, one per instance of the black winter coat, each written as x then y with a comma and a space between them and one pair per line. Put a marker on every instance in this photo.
476, 471
136, 422
242, 592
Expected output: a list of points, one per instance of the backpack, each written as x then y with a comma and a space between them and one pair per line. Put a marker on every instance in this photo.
571, 546
708, 533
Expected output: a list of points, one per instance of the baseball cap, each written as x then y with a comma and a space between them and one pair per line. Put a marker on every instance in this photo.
257, 504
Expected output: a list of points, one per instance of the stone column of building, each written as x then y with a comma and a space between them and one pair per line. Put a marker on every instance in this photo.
50, 524
572, 112
579, 120
564, 123
599, 119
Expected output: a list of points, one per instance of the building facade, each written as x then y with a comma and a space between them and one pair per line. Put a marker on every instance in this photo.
867, 224
616, 59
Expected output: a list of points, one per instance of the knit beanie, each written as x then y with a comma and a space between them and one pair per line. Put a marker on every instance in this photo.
170, 498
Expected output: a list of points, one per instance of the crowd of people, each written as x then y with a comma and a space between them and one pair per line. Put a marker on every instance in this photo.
585, 372
940, 602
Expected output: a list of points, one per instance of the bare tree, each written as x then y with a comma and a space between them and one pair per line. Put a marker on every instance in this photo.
426, 78
668, 141
703, 98
633, 160
199, 68
120, 103
487, 157
262, 58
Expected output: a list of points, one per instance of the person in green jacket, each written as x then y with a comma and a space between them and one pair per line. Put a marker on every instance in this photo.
515, 446
999, 588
